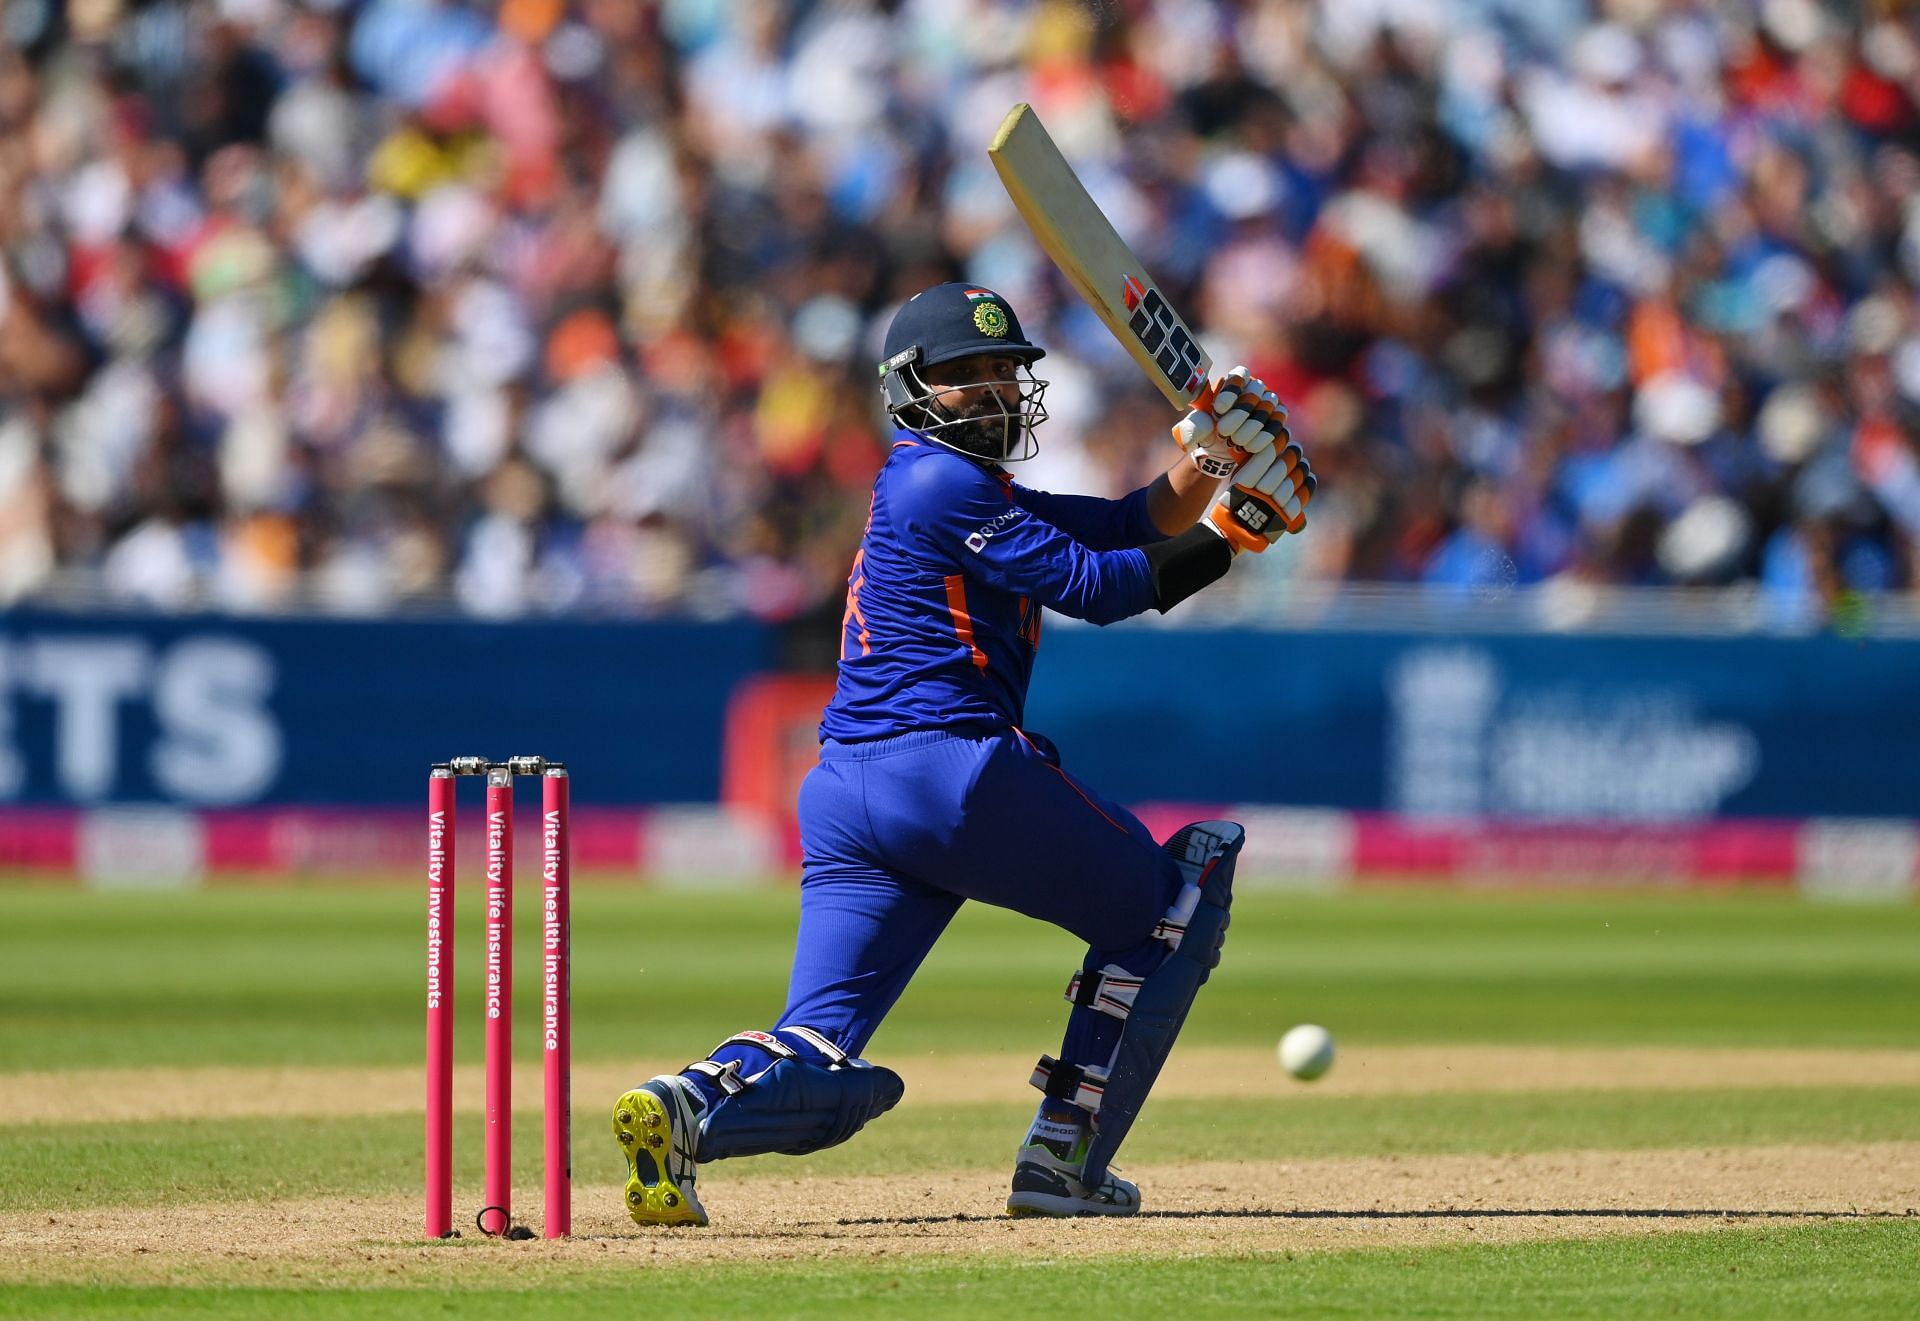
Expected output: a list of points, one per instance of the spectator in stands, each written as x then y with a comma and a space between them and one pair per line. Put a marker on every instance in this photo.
561, 304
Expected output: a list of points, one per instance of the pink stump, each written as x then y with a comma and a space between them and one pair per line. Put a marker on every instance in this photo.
496, 1216
557, 1001
440, 943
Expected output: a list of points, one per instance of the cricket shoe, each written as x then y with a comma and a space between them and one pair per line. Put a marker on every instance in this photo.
656, 1125
1046, 1185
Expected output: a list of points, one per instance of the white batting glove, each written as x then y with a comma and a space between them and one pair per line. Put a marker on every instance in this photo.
1268, 499
1243, 418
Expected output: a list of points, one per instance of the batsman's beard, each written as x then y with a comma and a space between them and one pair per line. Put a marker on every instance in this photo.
984, 428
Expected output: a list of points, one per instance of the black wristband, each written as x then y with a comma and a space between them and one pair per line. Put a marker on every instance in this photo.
1184, 564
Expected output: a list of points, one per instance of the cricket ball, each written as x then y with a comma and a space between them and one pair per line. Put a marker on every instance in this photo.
1306, 1051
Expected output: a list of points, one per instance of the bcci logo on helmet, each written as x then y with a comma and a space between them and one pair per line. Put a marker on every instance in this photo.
991, 318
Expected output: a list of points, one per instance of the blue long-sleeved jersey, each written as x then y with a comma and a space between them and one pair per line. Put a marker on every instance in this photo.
944, 598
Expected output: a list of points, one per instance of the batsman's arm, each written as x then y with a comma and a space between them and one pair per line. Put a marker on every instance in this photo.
1169, 505
1178, 497
1094, 521
1183, 554
1268, 499
961, 518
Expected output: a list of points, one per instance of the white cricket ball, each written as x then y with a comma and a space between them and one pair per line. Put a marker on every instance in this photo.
1306, 1051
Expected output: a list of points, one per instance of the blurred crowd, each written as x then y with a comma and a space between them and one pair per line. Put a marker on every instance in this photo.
574, 304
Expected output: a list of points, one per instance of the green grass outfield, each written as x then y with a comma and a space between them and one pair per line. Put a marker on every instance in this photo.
331, 976
300, 975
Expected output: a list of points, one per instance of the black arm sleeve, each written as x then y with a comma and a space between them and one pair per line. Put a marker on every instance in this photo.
1184, 564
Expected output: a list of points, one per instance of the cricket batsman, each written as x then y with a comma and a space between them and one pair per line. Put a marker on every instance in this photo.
930, 792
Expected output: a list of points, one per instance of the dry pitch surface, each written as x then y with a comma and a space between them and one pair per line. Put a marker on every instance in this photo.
776, 1209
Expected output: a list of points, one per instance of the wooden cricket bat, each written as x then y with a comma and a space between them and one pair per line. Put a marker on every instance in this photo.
1083, 244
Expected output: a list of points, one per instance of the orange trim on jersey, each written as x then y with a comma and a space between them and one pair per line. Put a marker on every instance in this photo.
1030, 622
857, 580
962, 621
1073, 785
906, 444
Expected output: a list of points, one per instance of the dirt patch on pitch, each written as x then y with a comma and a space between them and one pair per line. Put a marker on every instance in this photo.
221, 1093
1232, 1208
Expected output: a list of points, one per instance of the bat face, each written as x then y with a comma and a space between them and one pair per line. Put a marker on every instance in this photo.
1083, 244
1164, 337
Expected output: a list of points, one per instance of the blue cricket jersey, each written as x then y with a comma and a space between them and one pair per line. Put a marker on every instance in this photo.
944, 598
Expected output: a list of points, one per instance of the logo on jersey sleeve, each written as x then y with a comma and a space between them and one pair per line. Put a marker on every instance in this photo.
977, 539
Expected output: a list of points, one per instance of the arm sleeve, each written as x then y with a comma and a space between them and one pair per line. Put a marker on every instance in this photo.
1093, 522
968, 520
1184, 564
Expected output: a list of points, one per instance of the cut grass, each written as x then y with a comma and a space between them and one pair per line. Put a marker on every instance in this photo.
1820, 1269
316, 977
310, 976
67, 1166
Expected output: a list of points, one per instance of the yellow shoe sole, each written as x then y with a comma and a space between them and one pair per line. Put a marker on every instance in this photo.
643, 1129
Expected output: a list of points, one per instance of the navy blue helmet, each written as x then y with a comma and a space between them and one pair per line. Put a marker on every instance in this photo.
944, 324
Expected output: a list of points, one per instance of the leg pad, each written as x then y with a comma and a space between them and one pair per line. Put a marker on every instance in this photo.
1195, 930
797, 1104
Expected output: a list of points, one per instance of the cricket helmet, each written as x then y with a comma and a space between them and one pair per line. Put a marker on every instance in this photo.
946, 323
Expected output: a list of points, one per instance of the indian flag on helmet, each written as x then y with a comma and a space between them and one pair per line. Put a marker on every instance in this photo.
977, 294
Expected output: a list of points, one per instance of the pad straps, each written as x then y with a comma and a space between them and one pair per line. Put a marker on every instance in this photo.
1173, 927
1109, 991
727, 1076
1080, 1084
724, 1076
836, 1058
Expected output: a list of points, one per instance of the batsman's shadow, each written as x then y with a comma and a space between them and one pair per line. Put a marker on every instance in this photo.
1446, 1213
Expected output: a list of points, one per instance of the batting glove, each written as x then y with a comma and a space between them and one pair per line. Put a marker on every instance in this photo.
1268, 499
1242, 419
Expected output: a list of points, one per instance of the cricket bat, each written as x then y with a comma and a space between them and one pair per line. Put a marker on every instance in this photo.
1083, 244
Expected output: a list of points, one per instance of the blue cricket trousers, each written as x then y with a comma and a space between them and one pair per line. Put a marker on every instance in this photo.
898, 832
